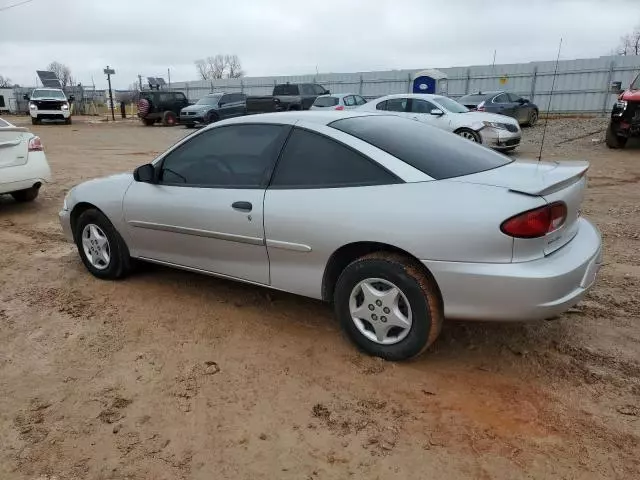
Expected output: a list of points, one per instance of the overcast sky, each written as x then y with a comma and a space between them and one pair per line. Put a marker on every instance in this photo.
280, 37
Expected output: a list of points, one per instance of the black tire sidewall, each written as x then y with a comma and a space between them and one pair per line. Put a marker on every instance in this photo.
116, 263
166, 116
475, 135
394, 272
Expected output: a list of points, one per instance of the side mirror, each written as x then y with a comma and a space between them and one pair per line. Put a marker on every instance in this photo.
523, 101
71, 98
26, 97
437, 112
327, 92
145, 174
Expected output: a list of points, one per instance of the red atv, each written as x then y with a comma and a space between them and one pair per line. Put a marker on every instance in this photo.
625, 117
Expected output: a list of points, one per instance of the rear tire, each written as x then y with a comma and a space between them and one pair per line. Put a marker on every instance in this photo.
169, 119
469, 135
418, 301
35, 121
119, 263
613, 140
26, 195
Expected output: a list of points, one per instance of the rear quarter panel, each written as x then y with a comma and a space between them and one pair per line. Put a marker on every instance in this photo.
438, 220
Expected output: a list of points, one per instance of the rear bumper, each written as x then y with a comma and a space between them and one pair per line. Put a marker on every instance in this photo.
532, 290
499, 139
34, 171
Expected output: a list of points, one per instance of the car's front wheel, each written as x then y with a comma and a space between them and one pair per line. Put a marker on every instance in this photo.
100, 246
469, 135
613, 140
533, 118
388, 305
35, 121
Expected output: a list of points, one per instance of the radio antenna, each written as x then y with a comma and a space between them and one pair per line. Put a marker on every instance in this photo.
553, 85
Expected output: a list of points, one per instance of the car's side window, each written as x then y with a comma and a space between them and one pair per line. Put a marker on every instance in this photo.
360, 100
180, 96
307, 89
165, 97
421, 106
397, 104
349, 101
513, 98
236, 156
225, 99
319, 89
311, 160
502, 98
382, 105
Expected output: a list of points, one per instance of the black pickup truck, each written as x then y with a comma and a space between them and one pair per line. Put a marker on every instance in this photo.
286, 96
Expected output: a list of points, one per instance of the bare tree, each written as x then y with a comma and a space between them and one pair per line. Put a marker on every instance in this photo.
62, 72
630, 43
219, 66
203, 69
234, 66
5, 82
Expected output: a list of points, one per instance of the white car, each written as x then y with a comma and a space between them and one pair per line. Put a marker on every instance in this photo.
23, 164
496, 131
49, 104
338, 101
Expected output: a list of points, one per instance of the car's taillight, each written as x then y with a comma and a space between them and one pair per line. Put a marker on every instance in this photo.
536, 223
35, 145
339, 107
480, 107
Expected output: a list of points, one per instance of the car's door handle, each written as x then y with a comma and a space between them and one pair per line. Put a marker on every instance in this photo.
243, 206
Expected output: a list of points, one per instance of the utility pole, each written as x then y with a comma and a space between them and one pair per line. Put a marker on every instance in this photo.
140, 81
169, 77
108, 72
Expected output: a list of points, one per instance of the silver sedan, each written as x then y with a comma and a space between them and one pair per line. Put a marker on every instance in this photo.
399, 224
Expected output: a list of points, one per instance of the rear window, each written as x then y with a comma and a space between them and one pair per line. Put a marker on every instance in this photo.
326, 102
435, 152
286, 89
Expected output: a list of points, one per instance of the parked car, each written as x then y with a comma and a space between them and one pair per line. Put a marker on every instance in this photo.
338, 101
625, 117
49, 104
496, 131
213, 107
23, 164
286, 96
503, 103
397, 223
161, 106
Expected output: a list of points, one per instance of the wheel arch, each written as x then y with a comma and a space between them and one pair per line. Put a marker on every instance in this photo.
346, 254
78, 210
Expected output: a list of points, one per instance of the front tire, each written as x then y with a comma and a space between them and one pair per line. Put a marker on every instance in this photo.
35, 121
533, 118
100, 246
211, 118
388, 306
26, 195
169, 119
68, 121
469, 135
613, 140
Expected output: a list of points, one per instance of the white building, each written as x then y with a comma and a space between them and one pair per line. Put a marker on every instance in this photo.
8, 100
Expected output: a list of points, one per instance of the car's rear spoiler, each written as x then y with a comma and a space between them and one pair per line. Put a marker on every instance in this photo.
555, 179
13, 129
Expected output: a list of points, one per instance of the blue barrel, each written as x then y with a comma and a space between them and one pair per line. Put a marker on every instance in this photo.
424, 85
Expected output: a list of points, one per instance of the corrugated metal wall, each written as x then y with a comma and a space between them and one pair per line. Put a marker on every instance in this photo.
581, 86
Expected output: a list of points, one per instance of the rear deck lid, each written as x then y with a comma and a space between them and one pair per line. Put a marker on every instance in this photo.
553, 181
13, 146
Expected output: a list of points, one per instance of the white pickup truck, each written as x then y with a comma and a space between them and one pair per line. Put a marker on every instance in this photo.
49, 104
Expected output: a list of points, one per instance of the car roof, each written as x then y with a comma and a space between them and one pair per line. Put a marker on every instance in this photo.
486, 94
337, 95
48, 88
291, 118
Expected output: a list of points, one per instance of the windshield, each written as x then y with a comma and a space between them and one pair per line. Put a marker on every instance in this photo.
209, 100
451, 105
473, 99
58, 94
286, 89
636, 83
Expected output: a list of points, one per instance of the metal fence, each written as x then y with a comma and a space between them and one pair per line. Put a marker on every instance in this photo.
581, 86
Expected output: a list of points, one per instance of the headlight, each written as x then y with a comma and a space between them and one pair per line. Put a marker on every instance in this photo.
619, 107
499, 126
64, 204
32, 106
65, 106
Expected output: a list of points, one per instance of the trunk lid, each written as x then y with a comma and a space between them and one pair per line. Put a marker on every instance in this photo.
13, 146
553, 181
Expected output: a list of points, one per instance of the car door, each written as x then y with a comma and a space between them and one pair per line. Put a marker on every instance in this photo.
421, 110
502, 105
521, 108
399, 106
359, 100
226, 107
305, 213
205, 210
349, 102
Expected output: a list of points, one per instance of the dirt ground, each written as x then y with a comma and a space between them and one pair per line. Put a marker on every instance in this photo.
172, 375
